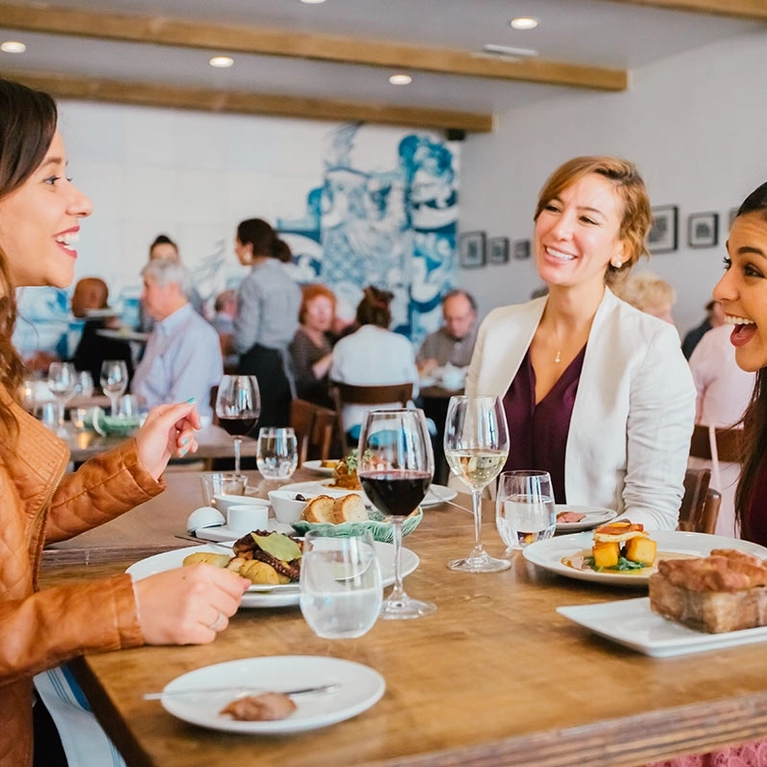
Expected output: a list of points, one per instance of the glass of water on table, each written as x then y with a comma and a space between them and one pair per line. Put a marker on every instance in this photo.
524, 508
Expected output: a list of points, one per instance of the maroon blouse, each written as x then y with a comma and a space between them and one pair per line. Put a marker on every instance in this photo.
538, 433
754, 527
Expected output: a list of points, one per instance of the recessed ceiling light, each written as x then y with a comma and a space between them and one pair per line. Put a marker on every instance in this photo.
400, 79
312, 2
12, 46
222, 62
524, 22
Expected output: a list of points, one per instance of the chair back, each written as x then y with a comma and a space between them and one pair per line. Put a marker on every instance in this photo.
314, 427
700, 504
351, 394
728, 443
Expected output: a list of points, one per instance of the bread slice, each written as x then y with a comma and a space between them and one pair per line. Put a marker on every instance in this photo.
319, 509
349, 508
726, 591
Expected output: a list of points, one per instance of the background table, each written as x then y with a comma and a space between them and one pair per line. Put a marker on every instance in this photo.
494, 677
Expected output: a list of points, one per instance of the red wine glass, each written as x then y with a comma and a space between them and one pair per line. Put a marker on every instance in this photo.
395, 465
238, 406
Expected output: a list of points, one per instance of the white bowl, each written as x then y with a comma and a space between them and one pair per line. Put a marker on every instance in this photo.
244, 517
205, 516
286, 508
223, 502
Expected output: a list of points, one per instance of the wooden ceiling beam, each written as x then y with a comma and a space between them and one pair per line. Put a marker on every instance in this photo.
230, 38
213, 100
739, 9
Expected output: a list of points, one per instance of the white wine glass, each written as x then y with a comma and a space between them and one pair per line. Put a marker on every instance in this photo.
277, 452
524, 508
341, 591
238, 406
476, 448
114, 381
61, 382
395, 466
83, 385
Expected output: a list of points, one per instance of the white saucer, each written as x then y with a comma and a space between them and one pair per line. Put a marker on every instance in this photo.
224, 533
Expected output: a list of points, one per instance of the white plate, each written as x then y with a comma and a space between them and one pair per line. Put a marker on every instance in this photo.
632, 623
548, 554
225, 533
361, 687
436, 494
281, 596
595, 515
318, 467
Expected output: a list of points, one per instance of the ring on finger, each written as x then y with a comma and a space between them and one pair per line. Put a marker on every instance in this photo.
217, 623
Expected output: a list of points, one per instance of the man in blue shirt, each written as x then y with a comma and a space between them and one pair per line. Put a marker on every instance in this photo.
183, 355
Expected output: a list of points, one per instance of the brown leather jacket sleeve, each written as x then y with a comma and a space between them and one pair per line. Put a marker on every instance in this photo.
101, 489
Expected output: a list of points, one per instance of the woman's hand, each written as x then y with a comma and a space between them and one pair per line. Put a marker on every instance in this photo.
168, 431
188, 605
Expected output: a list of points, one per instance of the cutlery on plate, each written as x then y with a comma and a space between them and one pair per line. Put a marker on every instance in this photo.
240, 689
203, 542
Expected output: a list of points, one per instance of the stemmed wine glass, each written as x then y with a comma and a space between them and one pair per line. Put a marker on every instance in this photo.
238, 406
61, 382
395, 466
114, 381
476, 448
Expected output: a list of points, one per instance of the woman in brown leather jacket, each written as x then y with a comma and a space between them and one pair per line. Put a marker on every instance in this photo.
40, 210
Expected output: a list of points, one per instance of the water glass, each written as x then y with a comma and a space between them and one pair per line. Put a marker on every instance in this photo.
341, 590
218, 483
83, 384
277, 452
524, 508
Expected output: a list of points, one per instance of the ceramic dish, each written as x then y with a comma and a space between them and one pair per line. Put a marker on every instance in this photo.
360, 687
595, 515
436, 494
548, 554
631, 622
287, 597
318, 467
222, 533
377, 524
111, 425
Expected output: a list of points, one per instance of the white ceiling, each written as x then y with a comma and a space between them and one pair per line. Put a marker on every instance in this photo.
595, 32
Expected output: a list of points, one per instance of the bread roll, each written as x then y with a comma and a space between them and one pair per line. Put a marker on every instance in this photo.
349, 508
319, 509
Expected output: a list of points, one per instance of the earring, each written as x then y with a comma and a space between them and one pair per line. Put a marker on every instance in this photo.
617, 263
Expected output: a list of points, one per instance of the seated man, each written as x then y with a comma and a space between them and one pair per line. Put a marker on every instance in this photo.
183, 356
92, 293
454, 342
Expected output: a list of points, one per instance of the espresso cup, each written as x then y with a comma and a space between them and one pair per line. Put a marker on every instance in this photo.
247, 517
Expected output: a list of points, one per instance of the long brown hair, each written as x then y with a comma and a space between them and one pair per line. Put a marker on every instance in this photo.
27, 126
263, 238
755, 417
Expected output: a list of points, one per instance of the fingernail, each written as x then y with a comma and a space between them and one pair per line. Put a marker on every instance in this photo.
190, 400
182, 452
185, 441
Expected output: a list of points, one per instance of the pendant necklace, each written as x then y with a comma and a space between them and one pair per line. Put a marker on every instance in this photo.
558, 357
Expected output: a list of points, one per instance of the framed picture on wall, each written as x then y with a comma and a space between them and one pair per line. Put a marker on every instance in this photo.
521, 249
498, 250
663, 237
471, 249
703, 230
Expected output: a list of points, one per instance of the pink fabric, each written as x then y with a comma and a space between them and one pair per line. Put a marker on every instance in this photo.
749, 755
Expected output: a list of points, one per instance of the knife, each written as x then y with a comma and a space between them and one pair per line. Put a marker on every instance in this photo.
319, 689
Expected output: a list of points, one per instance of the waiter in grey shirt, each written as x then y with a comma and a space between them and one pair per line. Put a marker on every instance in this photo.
454, 342
267, 317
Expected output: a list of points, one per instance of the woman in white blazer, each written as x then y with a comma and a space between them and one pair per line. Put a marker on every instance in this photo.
620, 432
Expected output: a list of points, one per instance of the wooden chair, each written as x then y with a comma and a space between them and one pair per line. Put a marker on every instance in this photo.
350, 394
700, 503
728, 443
314, 426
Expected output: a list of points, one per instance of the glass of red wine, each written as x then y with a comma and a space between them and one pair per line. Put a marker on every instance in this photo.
238, 406
395, 465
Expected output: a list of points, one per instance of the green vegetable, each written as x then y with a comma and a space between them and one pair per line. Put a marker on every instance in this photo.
279, 546
624, 565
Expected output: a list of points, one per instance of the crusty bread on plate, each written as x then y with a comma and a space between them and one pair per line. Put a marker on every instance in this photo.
345, 508
319, 509
726, 591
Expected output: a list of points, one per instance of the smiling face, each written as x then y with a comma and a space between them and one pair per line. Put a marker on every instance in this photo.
39, 223
577, 233
743, 290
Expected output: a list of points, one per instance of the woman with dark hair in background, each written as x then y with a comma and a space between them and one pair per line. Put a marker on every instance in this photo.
267, 317
40, 211
373, 355
310, 349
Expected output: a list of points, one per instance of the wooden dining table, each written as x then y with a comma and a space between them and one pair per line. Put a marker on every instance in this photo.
494, 677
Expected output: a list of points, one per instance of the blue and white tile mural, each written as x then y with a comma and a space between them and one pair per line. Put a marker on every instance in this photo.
383, 212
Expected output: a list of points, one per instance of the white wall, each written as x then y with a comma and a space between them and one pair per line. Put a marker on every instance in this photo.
696, 126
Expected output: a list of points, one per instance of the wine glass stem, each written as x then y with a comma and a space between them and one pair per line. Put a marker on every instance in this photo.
476, 499
398, 592
60, 413
113, 398
237, 444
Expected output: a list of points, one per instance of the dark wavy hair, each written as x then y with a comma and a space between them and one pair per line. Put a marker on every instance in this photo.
27, 125
754, 445
374, 309
264, 239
